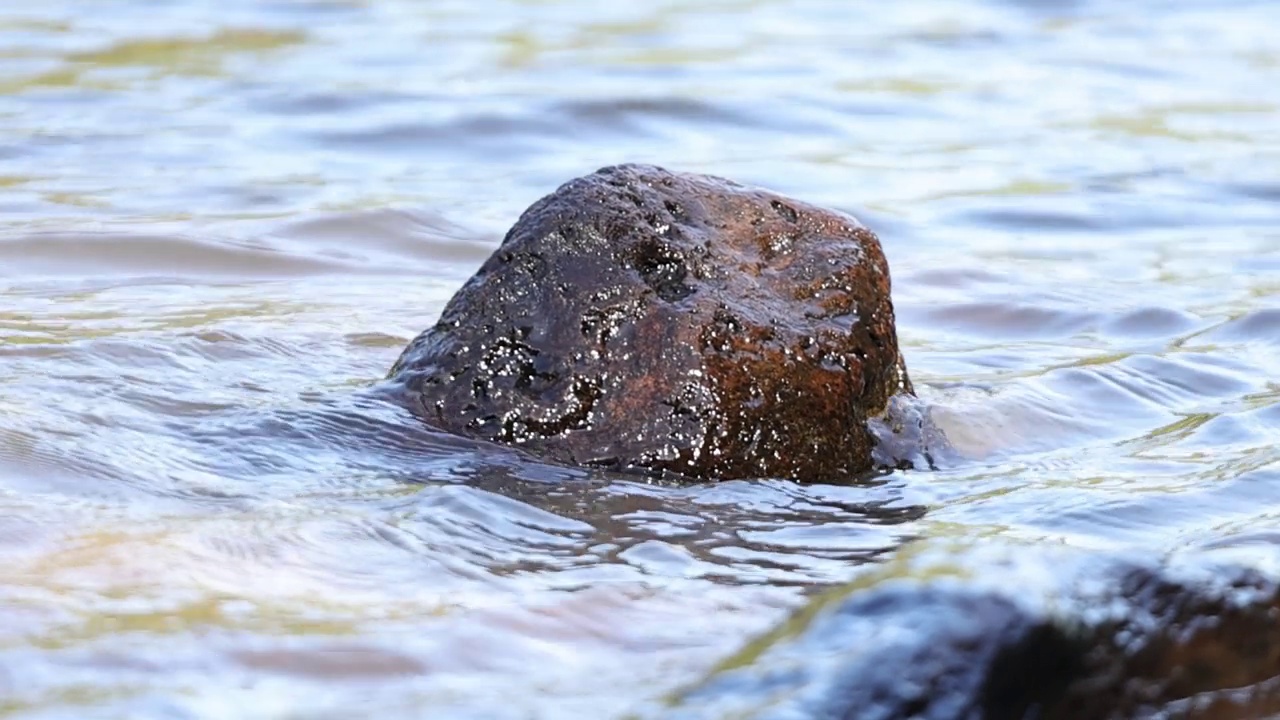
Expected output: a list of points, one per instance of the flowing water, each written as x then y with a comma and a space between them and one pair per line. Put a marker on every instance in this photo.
220, 222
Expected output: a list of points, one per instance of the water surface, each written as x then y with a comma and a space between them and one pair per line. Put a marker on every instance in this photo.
219, 227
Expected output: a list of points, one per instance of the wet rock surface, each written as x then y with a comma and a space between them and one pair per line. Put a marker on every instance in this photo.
640, 319
1045, 638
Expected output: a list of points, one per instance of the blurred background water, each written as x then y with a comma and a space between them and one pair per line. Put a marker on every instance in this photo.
219, 223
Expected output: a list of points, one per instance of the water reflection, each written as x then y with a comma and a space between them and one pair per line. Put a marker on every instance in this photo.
217, 232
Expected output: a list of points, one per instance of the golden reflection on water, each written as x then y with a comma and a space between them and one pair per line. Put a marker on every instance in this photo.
189, 56
166, 57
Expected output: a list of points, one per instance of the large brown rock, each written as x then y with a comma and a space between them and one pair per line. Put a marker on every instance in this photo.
643, 319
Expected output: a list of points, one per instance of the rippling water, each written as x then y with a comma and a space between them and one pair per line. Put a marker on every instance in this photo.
218, 228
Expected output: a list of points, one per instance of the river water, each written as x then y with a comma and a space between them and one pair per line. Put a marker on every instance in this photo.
219, 223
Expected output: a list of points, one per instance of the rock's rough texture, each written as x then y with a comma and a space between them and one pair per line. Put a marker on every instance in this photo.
642, 319
1064, 640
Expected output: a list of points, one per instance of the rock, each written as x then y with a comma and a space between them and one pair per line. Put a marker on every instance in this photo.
1042, 637
640, 319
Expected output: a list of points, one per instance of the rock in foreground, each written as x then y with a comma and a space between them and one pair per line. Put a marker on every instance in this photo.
643, 319
1045, 638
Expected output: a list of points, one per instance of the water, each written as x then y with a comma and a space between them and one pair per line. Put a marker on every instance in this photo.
219, 227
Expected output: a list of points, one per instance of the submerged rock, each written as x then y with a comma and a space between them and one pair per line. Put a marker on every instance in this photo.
1042, 637
643, 319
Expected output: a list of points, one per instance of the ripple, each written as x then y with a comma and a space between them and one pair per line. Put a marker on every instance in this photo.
217, 233
1007, 319
475, 133
123, 254
1179, 381
1268, 191
634, 114
396, 236
1151, 322
1260, 326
